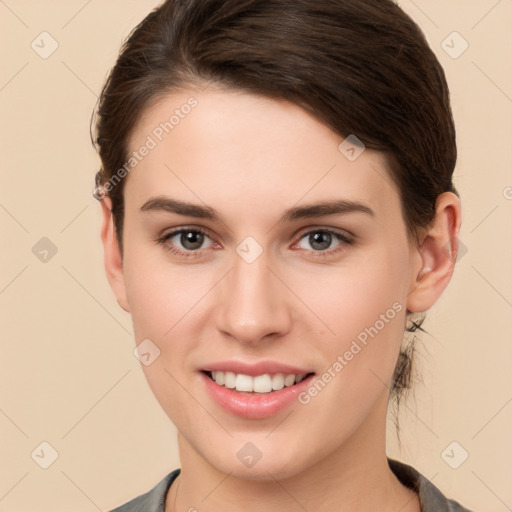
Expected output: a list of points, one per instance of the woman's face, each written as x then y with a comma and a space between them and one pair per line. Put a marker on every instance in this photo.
255, 244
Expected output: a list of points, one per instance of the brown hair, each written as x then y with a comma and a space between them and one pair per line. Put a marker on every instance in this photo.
361, 67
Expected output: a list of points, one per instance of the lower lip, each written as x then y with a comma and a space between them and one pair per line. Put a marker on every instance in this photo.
254, 405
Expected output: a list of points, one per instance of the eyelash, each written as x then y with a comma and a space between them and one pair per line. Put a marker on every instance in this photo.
344, 239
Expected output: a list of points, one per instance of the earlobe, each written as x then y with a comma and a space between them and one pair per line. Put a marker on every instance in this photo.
438, 253
112, 254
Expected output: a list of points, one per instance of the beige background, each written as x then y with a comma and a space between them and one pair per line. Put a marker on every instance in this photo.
68, 375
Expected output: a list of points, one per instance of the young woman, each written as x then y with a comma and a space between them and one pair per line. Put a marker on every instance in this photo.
277, 199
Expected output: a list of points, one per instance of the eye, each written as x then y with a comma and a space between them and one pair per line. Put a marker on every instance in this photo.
186, 241
321, 240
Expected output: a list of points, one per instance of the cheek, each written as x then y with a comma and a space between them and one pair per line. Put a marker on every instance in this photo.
167, 305
367, 316
351, 297
161, 294
362, 307
163, 299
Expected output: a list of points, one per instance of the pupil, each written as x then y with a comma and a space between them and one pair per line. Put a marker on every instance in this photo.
192, 240
320, 240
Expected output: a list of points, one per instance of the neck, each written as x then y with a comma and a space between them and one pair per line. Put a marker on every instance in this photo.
354, 478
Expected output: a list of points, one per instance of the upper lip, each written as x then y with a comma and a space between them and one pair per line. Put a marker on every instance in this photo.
254, 369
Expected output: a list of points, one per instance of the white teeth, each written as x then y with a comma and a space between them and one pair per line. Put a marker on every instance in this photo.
289, 380
278, 381
229, 379
260, 384
243, 382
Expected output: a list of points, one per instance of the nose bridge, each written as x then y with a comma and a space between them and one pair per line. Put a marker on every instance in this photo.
254, 304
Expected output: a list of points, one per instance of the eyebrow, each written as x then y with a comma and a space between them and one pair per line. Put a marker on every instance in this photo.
311, 211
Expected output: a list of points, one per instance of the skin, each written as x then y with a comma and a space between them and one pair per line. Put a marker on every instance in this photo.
251, 158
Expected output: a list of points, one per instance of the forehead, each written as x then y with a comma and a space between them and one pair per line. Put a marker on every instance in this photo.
234, 150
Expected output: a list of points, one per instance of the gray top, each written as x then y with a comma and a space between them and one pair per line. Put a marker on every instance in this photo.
431, 498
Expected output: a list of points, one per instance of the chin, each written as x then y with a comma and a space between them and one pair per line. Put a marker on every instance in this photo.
260, 459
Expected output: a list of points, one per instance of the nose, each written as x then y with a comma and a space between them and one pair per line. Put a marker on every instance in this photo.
254, 304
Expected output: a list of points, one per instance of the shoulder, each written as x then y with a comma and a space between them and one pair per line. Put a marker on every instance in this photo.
153, 500
431, 498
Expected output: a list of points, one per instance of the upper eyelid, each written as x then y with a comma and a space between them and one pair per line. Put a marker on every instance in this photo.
336, 231
181, 229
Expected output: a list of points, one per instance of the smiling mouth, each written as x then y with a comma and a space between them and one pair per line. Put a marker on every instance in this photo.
260, 384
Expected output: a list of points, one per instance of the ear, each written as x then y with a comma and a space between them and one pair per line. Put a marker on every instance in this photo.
113, 257
436, 255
